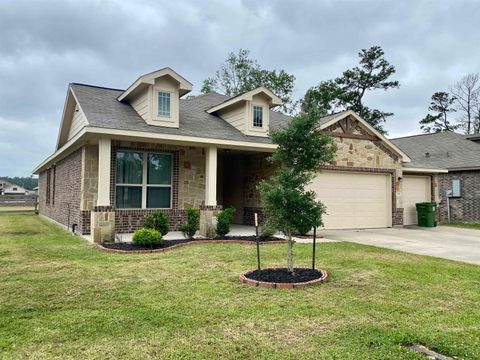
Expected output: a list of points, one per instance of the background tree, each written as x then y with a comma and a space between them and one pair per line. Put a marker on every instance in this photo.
302, 150
239, 73
442, 104
467, 94
348, 91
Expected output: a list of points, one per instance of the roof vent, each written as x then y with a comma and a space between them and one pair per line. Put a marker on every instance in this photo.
427, 154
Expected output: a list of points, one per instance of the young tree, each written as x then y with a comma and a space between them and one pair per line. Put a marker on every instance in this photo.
239, 73
442, 103
348, 91
302, 151
467, 94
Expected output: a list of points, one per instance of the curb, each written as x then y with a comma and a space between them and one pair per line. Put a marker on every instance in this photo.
272, 285
118, 251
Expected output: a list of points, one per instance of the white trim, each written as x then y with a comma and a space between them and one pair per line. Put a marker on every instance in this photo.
184, 85
168, 138
64, 113
405, 157
424, 170
274, 99
68, 145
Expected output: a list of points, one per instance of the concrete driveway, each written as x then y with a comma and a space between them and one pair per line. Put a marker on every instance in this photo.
443, 241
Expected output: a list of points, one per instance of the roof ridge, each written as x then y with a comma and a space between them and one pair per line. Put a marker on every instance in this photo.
428, 134
96, 86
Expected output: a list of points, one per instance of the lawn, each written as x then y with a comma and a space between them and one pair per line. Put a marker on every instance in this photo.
475, 226
63, 299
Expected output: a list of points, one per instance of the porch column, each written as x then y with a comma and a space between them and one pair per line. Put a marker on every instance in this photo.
102, 217
209, 210
211, 176
104, 153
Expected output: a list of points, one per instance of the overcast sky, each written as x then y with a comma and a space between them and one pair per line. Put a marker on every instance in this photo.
44, 45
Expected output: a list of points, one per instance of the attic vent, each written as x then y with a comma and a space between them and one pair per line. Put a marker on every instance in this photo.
427, 154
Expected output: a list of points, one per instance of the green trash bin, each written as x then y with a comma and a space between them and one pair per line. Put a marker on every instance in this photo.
426, 214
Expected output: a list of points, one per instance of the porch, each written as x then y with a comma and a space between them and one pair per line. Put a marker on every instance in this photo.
180, 176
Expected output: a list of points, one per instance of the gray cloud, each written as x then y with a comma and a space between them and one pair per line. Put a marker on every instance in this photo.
45, 45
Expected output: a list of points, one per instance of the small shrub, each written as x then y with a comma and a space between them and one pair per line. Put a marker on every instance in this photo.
193, 221
147, 237
267, 230
224, 220
157, 221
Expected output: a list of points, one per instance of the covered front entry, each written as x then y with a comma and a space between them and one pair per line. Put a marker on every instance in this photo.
415, 189
239, 173
354, 199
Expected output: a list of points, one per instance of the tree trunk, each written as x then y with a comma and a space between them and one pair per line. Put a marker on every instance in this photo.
290, 253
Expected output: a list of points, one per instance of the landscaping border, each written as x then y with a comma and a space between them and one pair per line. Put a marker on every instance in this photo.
145, 251
273, 285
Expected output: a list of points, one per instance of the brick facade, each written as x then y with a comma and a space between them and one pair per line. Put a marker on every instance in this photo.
465, 208
63, 203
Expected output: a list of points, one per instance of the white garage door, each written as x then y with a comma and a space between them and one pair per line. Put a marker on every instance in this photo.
415, 189
354, 200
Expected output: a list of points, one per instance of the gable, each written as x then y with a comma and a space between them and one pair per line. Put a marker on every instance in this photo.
348, 125
73, 119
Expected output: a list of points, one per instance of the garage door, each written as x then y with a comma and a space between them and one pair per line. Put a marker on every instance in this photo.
415, 189
354, 200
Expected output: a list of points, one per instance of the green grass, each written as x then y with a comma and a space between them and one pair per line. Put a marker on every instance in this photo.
16, 208
475, 226
63, 299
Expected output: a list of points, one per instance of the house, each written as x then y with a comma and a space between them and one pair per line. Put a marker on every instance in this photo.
7, 188
459, 154
121, 154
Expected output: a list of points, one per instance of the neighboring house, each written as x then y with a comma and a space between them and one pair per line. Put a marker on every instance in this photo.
123, 153
7, 188
461, 156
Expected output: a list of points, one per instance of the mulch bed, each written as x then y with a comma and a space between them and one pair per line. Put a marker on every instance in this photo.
171, 244
281, 275
281, 278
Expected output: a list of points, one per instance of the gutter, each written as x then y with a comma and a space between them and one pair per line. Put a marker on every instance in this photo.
424, 170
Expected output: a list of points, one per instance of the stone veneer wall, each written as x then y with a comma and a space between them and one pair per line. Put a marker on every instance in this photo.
65, 189
465, 208
89, 186
370, 156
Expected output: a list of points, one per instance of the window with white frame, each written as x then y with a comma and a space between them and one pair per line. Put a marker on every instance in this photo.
143, 180
257, 116
163, 104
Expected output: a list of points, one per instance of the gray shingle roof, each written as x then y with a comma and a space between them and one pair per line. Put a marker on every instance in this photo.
446, 150
102, 109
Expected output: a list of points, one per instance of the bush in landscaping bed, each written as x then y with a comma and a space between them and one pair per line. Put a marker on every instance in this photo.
147, 237
157, 221
224, 220
193, 221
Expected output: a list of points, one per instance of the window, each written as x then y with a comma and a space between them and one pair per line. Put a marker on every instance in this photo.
47, 194
163, 104
144, 180
257, 116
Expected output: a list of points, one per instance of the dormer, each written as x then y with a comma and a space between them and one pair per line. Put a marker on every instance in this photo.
156, 97
249, 112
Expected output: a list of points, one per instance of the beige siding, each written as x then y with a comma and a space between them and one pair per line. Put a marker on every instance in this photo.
258, 100
78, 122
141, 105
235, 116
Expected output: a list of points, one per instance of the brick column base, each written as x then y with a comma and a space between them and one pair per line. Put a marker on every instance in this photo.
208, 220
102, 225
